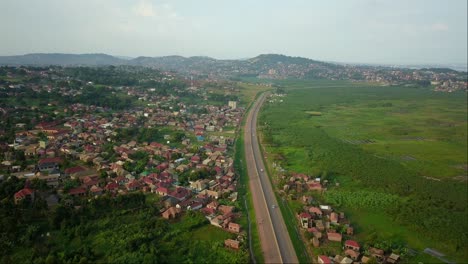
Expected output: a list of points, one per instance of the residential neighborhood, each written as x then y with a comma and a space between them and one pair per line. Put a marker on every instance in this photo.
91, 152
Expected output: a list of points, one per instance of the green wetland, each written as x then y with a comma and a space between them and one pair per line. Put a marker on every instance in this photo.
396, 158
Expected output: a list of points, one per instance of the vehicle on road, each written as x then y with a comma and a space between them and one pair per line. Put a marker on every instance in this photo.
273, 206
261, 170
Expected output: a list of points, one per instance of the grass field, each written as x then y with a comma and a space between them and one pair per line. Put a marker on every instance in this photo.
408, 142
248, 92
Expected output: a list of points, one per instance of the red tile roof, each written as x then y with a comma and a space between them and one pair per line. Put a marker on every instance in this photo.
50, 160
76, 191
325, 259
352, 243
23, 193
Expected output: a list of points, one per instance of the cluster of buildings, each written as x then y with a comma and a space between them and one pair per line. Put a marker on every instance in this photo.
324, 227
86, 155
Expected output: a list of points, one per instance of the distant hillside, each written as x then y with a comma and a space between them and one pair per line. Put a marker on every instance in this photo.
266, 66
61, 59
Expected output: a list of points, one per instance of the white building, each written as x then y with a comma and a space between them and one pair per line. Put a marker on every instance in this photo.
232, 104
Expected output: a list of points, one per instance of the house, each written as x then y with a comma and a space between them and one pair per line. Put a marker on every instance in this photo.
319, 225
48, 164
23, 194
231, 243
365, 259
315, 211
233, 227
195, 205
213, 205
74, 170
95, 190
111, 187
172, 212
315, 242
80, 191
180, 193
170, 201
226, 209
393, 258
133, 185
162, 191
376, 253
333, 236
351, 244
334, 218
322, 259
354, 255
51, 179
346, 260
217, 221
305, 217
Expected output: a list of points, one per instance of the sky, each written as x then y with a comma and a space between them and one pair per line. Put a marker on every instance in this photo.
355, 31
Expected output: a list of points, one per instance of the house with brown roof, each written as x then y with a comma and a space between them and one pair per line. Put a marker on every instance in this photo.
233, 227
226, 209
95, 190
80, 191
231, 243
172, 212
316, 211
333, 236
111, 187
133, 185
354, 255
379, 254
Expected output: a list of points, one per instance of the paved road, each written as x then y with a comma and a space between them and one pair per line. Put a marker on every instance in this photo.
276, 243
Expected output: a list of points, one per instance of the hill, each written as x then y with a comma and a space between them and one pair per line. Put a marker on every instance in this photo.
61, 59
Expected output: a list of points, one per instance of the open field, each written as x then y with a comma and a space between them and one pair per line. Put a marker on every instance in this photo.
406, 142
248, 92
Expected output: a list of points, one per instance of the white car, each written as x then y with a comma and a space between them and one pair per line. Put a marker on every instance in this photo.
261, 170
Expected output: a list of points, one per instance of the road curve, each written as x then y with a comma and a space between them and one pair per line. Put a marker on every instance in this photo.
274, 237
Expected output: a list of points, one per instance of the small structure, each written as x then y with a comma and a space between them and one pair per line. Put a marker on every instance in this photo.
352, 254
351, 244
333, 236
315, 242
334, 218
322, 259
377, 253
393, 258
233, 227
172, 212
23, 194
231, 243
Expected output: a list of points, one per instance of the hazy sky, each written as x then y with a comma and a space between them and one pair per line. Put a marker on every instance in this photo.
372, 31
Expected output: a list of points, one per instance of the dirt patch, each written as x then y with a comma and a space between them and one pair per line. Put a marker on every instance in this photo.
431, 178
408, 158
313, 113
461, 178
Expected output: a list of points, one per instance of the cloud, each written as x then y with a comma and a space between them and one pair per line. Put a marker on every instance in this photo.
439, 27
144, 9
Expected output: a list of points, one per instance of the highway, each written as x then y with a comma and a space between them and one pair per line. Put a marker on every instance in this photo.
274, 237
